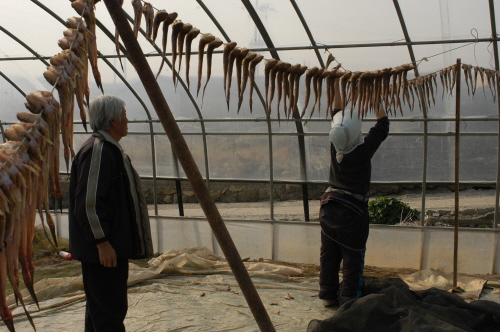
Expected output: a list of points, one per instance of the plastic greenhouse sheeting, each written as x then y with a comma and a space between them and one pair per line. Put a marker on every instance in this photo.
361, 35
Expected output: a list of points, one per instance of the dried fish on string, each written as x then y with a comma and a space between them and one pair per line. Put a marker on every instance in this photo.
205, 39
85, 8
245, 65
329, 60
160, 16
169, 20
228, 47
192, 34
137, 5
253, 65
217, 42
149, 15
309, 75
176, 29
267, 70
299, 73
272, 82
280, 78
238, 64
186, 27
293, 70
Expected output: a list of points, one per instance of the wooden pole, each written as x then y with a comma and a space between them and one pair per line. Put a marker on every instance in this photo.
458, 71
181, 149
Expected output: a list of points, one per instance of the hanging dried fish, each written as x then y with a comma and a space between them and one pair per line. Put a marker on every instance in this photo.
280, 77
228, 47
272, 82
246, 69
205, 39
238, 63
343, 86
180, 41
253, 64
169, 20
481, 75
355, 93
160, 16
85, 8
137, 5
267, 70
320, 88
210, 50
176, 29
232, 58
464, 67
149, 15
429, 79
309, 75
329, 60
315, 83
189, 39
488, 81
453, 77
288, 88
291, 81
299, 73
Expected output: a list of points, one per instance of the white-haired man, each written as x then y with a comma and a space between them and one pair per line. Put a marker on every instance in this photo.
344, 206
108, 217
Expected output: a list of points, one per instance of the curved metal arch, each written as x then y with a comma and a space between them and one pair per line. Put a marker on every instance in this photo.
38, 56
193, 101
424, 109
13, 84
296, 116
261, 98
309, 34
46, 9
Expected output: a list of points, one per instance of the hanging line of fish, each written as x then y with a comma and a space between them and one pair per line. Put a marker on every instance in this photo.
28, 162
182, 37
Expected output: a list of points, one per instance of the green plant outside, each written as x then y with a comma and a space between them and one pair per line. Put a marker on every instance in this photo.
390, 211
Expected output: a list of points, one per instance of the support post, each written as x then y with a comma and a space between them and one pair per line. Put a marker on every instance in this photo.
186, 159
458, 71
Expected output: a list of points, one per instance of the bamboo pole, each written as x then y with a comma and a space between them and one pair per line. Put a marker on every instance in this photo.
458, 71
181, 149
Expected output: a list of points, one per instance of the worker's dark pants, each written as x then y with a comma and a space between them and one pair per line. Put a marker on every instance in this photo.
343, 240
106, 292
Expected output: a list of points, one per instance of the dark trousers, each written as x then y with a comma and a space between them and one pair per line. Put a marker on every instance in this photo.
341, 223
106, 292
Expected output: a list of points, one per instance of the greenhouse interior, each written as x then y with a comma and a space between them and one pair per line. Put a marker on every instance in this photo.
233, 182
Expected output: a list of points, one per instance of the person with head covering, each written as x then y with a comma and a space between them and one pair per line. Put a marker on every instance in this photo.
108, 216
344, 206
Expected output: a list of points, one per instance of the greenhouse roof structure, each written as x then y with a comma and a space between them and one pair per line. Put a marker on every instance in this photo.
241, 92
234, 140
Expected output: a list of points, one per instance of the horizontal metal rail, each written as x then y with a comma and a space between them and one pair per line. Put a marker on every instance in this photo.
304, 48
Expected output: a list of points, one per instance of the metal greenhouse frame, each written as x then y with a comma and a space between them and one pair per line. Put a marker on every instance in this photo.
274, 51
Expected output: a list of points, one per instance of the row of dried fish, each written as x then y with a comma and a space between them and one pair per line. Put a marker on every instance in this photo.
68, 73
26, 165
182, 37
492, 78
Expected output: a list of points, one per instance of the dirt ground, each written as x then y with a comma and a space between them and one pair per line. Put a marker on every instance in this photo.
436, 200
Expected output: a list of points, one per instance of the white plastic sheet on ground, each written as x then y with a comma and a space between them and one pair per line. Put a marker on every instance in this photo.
197, 294
473, 288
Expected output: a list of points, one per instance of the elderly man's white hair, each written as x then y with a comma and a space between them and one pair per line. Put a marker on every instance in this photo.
103, 109
345, 134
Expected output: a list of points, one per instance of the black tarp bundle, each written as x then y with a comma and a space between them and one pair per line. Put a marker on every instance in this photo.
396, 308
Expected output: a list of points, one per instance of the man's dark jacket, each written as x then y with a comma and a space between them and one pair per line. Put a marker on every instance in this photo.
101, 206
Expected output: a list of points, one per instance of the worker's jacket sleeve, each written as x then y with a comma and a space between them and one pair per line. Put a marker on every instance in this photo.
95, 175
